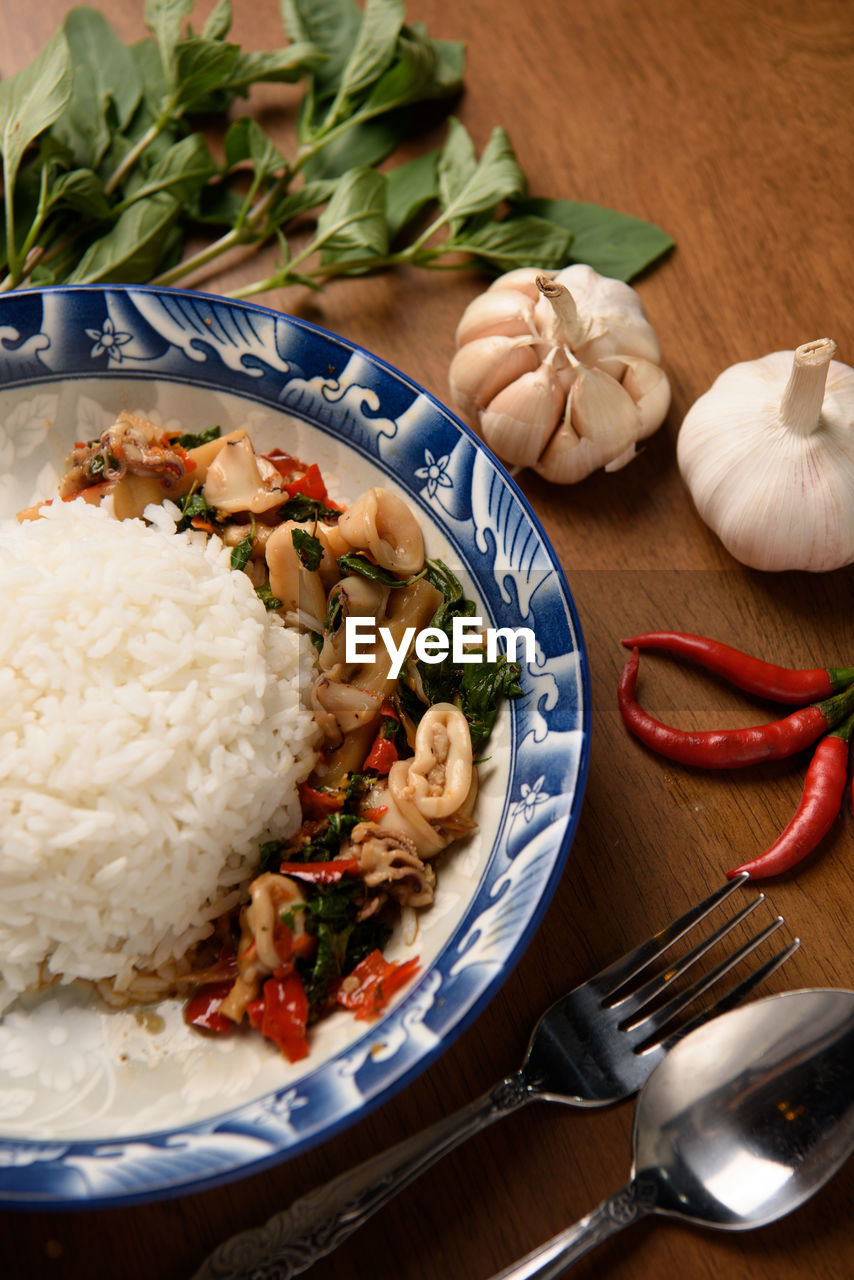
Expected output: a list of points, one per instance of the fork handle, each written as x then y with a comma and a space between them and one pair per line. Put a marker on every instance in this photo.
294, 1239
552, 1258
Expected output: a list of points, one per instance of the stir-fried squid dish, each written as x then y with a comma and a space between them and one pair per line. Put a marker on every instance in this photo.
394, 778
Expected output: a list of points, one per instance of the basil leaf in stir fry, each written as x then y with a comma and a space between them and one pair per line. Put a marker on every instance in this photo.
269, 601
192, 439
305, 510
241, 553
355, 562
308, 548
195, 507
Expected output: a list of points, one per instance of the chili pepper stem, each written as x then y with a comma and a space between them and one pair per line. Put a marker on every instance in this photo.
840, 677
844, 730
839, 708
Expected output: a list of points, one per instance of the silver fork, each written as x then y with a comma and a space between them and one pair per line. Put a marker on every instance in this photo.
594, 1046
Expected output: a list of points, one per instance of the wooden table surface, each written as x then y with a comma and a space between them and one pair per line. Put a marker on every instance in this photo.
730, 125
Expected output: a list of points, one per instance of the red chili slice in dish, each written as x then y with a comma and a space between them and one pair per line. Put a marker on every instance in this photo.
368, 989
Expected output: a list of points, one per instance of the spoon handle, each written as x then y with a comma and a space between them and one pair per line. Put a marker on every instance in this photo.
294, 1239
552, 1258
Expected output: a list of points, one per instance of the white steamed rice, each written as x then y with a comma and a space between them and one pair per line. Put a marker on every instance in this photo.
153, 729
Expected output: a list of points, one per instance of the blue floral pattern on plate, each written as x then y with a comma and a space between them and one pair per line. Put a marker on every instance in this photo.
49, 339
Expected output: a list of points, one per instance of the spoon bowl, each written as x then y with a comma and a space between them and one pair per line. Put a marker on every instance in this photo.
742, 1122
747, 1117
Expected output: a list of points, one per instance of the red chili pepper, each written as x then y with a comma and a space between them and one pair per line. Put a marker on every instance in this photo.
92, 494
316, 803
199, 522
287, 943
202, 1009
283, 940
190, 464
765, 679
824, 787
255, 1012
321, 872
281, 1015
374, 814
304, 944
382, 755
729, 748
309, 485
378, 979
285, 463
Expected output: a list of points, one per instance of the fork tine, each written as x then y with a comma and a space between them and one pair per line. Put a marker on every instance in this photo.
633, 1002
618, 973
736, 995
655, 1021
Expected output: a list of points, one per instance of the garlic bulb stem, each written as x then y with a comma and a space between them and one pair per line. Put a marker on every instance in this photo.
800, 408
569, 326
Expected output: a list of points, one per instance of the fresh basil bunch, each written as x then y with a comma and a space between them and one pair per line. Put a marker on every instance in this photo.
105, 178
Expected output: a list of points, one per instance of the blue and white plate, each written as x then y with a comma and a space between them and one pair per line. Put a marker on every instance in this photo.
102, 1107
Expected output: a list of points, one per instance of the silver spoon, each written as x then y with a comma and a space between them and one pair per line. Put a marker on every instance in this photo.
740, 1124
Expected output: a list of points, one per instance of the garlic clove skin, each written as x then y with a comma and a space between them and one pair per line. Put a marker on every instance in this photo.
518, 423
497, 311
564, 370
647, 384
600, 425
769, 460
622, 459
483, 367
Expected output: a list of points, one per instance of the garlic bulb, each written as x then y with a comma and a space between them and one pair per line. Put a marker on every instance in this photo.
768, 455
559, 372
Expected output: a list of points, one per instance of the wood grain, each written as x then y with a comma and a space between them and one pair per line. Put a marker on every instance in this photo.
729, 124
